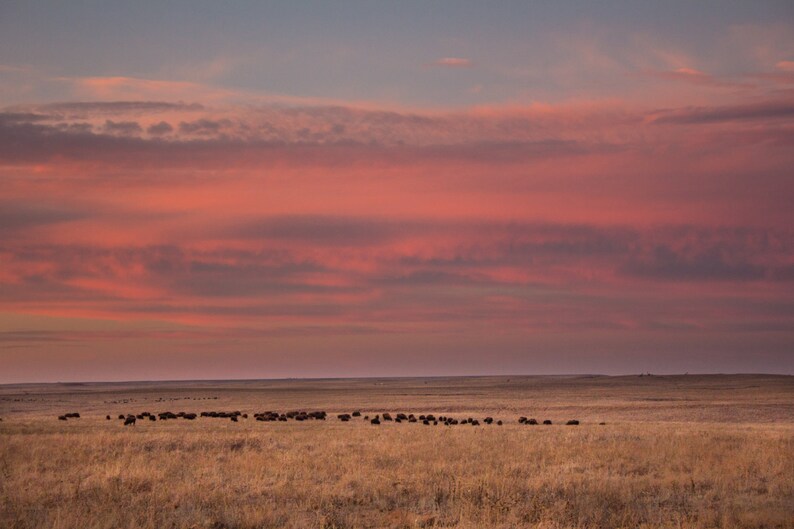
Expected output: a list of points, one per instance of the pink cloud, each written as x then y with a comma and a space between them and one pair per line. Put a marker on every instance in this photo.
453, 62
249, 225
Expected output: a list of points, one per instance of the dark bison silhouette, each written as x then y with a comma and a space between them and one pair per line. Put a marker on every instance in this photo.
130, 420
547, 421
61, 417
375, 421
572, 422
107, 417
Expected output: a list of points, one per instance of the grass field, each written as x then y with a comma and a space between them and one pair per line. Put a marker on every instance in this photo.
684, 451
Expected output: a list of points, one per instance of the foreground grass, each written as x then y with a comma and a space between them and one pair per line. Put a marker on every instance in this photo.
206, 474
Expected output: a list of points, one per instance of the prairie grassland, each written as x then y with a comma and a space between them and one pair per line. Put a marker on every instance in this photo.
674, 452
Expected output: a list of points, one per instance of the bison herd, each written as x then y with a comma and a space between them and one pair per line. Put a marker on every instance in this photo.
299, 416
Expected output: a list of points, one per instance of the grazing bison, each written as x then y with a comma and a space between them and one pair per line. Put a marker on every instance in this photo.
121, 416
387, 416
572, 422
522, 420
152, 418
601, 423
547, 422
375, 421
74, 415
107, 417
532, 422
488, 420
356, 413
499, 423
61, 417
234, 418
130, 420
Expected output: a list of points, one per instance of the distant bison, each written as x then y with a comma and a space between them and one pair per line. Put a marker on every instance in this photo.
121, 416
130, 420
572, 422
107, 417
375, 421
547, 422
61, 417
73, 415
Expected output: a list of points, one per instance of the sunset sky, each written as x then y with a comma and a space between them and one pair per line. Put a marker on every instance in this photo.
322, 189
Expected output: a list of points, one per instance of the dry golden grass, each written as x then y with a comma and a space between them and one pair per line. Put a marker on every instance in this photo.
674, 452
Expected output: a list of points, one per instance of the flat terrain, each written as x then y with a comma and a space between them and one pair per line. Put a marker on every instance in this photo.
678, 451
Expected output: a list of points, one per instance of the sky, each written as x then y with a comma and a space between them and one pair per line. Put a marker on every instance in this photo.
211, 190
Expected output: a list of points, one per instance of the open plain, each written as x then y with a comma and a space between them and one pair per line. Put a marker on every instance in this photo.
650, 451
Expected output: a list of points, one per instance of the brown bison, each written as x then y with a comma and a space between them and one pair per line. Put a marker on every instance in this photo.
130, 420
572, 422
547, 422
